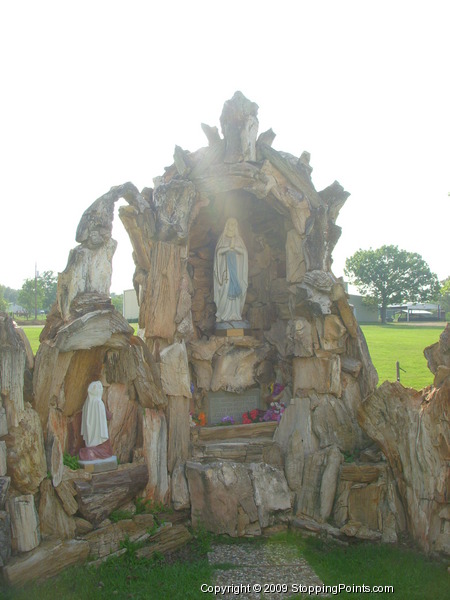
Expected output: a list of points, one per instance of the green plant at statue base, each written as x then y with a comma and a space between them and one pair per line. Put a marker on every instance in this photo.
71, 461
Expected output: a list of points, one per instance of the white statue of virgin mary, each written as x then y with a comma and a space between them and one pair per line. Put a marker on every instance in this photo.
94, 426
230, 273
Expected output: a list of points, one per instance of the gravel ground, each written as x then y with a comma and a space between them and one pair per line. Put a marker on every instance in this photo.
274, 569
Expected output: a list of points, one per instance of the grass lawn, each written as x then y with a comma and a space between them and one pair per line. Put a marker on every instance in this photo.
33, 334
412, 575
404, 343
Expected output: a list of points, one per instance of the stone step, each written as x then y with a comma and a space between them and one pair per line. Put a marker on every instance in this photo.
233, 432
238, 450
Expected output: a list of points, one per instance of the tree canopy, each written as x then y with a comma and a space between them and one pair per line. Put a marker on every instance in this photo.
38, 294
444, 295
391, 276
3, 301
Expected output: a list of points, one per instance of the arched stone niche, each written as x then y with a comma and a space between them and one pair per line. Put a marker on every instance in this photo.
263, 230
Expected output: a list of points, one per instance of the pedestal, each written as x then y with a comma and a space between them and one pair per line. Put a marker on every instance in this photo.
100, 465
232, 328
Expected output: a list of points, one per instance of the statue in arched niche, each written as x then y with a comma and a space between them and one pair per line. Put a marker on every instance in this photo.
230, 273
94, 426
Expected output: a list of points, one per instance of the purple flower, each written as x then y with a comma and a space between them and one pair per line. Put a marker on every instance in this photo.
228, 421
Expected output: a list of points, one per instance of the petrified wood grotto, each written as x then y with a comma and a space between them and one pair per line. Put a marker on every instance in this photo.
246, 402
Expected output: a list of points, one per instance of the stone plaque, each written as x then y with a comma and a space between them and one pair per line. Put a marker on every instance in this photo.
227, 404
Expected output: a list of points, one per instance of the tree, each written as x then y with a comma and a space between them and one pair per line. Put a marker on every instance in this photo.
49, 281
117, 302
444, 294
9, 294
391, 276
31, 298
3, 301
38, 293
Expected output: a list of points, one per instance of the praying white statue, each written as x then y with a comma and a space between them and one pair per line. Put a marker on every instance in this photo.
94, 426
230, 273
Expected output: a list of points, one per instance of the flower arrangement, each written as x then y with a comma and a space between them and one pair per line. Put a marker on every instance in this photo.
273, 413
253, 416
227, 421
197, 420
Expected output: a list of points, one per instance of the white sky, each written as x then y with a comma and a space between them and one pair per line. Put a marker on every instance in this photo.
95, 93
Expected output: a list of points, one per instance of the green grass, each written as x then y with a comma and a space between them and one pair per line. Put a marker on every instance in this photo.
404, 343
121, 578
33, 334
412, 575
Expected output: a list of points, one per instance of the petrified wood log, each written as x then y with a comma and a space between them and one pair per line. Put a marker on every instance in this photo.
167, 539
106, 540
212, 133
24, 523
161, 292
105, 492
253, 430
294, 175
240, 128
94, 329
412, 431
13, 358
45, 561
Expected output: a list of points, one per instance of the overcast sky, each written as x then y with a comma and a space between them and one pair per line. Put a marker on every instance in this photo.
96, 93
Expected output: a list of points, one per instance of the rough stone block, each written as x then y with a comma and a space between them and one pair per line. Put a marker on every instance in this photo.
122, 428
179, 488
27, 466
154, 432
179, 431
233, 370
321, 375
3, 422
167, 539
295, 259
4, 486
333, 423
106, 540
299, 332
297, 417
175, 376
2, 458
294, 460
105, 492
271, 491
54, 521
66, 492
24, 523
5, 537
217, 490
320, 476
364, 504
